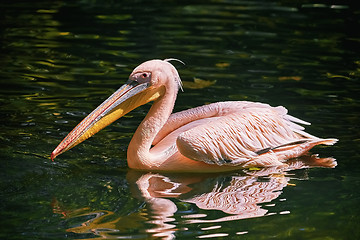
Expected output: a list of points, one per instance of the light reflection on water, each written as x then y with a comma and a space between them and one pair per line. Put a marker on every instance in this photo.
241, 195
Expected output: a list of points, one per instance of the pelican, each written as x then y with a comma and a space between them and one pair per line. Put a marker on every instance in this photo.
221, 136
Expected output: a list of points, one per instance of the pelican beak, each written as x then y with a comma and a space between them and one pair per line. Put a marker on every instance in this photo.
128, 97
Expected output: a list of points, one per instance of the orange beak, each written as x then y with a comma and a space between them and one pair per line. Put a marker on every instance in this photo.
128, 97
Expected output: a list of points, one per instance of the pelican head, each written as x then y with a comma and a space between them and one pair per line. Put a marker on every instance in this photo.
148, 82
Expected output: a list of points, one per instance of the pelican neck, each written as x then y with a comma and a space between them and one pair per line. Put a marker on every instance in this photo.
139, 148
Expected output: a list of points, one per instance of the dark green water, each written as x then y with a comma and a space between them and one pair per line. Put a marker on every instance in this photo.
60, 59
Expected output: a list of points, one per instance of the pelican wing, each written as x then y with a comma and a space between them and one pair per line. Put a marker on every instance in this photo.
218, 109
240, 136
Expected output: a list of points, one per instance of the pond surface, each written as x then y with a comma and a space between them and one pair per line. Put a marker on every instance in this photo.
61, 59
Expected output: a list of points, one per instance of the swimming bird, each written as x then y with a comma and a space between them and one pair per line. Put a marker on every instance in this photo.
220, 136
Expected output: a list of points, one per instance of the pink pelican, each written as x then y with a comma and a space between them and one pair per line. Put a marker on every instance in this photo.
221, 136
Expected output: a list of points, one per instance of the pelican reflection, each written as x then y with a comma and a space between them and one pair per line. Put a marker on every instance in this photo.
239, 195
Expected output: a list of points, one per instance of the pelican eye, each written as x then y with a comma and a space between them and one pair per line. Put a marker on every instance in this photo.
141, 77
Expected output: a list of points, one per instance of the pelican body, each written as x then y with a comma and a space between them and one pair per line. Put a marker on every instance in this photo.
221, 136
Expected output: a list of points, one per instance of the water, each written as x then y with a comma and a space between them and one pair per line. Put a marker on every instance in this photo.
60, 59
